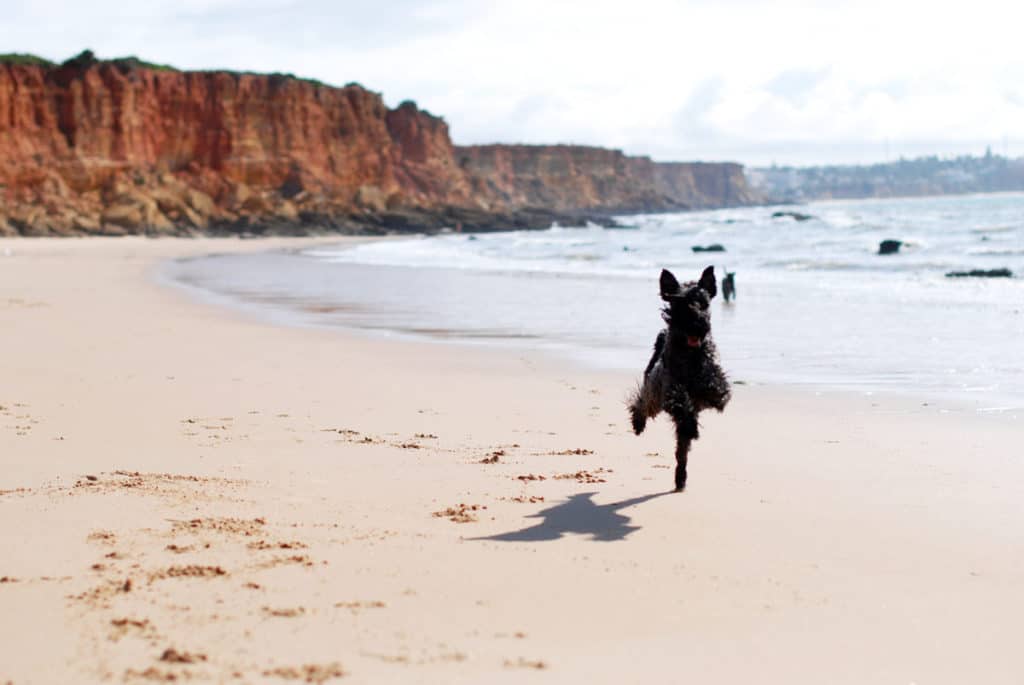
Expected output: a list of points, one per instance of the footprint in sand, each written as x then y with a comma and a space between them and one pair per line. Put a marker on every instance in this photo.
152, 674
173, 656
584, 476
264, 545
23, 421
356, 607
310, 673
575, 452
463, 513
290, 612
123, 627
535, 664
493, 458
19, 303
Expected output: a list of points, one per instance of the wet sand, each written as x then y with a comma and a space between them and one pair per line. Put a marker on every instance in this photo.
189, 493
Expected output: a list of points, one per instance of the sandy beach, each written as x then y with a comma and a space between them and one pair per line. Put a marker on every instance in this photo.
188, 493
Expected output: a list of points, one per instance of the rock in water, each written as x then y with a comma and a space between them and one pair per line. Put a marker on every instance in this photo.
889, 246
797, 216
981, 273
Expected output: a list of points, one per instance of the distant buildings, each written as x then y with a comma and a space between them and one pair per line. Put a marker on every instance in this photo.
904, 178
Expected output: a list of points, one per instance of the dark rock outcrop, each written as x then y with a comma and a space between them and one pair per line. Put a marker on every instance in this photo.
981, 273
796, 216
889, 246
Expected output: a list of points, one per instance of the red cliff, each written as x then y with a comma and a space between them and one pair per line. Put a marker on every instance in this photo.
573, 177
120, 146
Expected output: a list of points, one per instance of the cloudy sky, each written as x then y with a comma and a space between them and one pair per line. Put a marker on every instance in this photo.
786, 81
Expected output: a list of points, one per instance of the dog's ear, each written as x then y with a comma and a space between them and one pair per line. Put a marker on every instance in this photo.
669, 284
707, 281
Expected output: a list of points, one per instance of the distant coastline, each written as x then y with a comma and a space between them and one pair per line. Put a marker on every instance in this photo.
918, 177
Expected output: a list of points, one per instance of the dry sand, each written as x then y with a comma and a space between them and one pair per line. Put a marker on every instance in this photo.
187, 493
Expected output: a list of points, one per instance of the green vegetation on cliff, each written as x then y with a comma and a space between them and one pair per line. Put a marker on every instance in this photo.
24, 58
134, 62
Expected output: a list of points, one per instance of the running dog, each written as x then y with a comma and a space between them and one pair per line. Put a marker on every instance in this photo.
683, 377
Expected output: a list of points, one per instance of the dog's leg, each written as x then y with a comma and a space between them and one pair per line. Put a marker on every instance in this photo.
720, 391
716, 395
659, 345
682, 453
713, 391
645, 402
721, 399
686, 432
684, 414
647, 399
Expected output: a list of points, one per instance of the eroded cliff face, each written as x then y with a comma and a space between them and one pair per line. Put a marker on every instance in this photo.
99, 146
705, 185
572, 177
117, 147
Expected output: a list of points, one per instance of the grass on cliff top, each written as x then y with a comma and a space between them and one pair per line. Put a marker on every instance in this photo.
87, 58
24, 58
134, 62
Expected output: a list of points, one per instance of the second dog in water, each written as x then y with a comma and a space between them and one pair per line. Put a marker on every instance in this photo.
683, 377
729, 286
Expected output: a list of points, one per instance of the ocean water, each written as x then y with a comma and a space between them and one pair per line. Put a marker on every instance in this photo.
816, 305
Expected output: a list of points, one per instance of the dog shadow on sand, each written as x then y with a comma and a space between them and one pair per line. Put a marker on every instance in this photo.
581, 515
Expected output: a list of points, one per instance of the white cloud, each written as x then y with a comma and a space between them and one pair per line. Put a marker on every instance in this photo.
790, 81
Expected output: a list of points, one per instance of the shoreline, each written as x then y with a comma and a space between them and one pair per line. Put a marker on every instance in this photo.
293, 503
593, 357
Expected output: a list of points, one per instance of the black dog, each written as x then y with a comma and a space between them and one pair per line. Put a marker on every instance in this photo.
683, 377
729, 286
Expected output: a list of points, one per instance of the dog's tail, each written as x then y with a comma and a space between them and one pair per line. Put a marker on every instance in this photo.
637, 415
